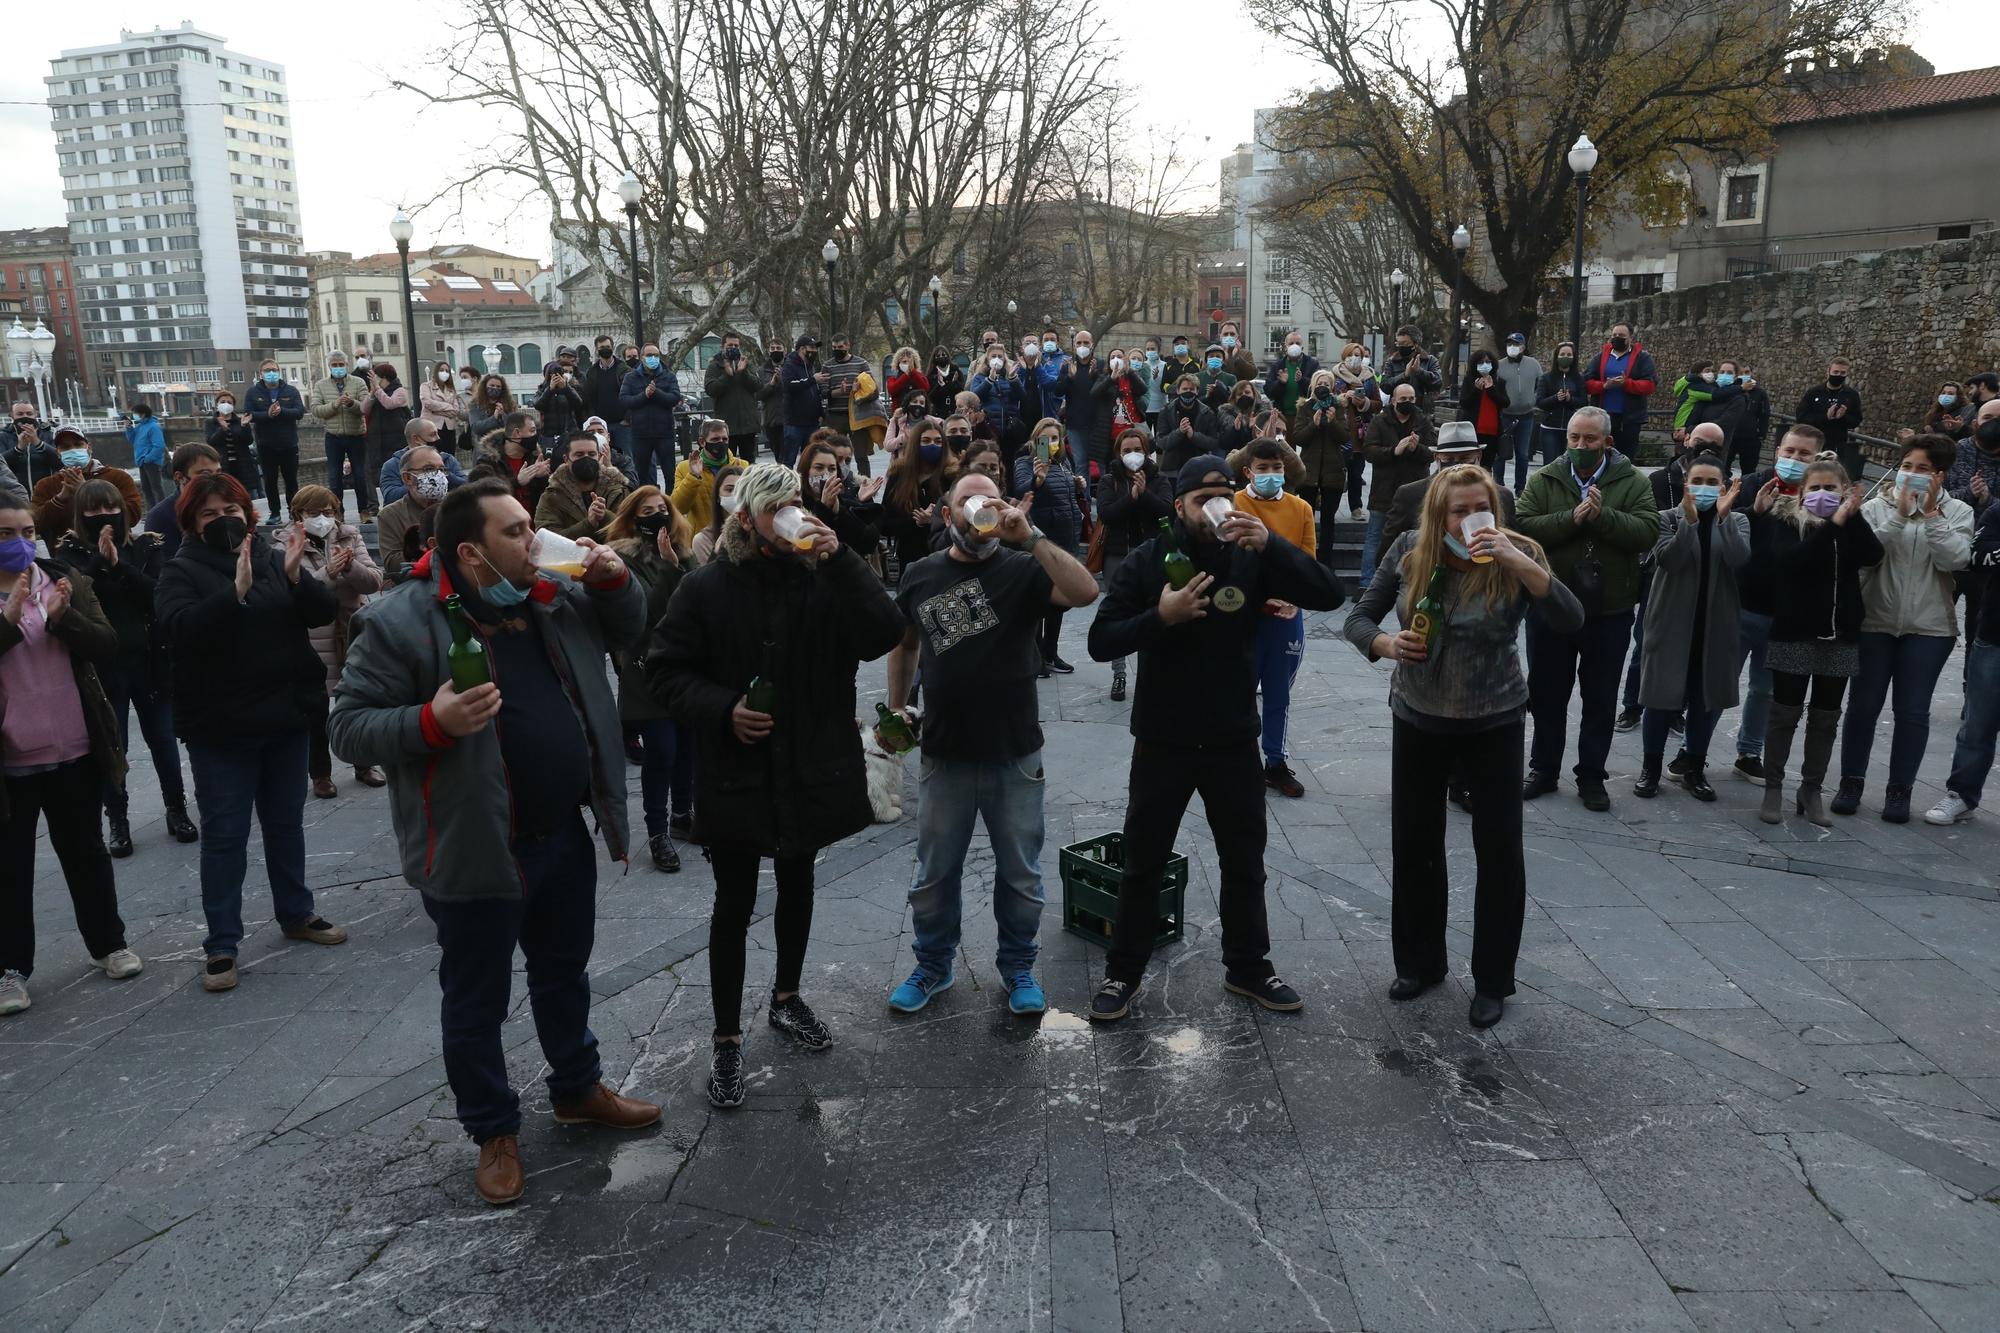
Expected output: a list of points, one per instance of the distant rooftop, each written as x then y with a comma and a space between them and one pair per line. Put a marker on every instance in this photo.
1898, 96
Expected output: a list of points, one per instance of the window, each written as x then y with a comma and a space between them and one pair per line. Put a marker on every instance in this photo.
1740, 203
374, 310
1215, 296
1277, 300
1627, 285
531, 358
1955, 232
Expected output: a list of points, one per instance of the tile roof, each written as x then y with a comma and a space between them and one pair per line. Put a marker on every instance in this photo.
1900, 95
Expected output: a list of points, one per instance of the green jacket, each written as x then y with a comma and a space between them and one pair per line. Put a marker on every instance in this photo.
1625, 529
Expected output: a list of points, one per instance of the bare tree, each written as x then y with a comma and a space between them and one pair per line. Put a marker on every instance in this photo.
1342, 253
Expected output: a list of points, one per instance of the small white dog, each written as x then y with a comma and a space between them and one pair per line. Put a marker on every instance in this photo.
885, 775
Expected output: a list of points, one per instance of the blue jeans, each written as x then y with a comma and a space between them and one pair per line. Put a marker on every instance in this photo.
1371, 545
1553, 441
554, 921
666, 774
1908, 664
1007, 794
1700, 727
1972, 756
1754, 636
795, 440
1585, 659
269, 774
130, 690
1521, 433
351, 449
1281, 648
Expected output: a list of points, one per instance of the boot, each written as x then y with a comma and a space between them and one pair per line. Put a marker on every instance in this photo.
179, 825
1778, 733
1118, 682
1822, 724
1648, 785
120, 841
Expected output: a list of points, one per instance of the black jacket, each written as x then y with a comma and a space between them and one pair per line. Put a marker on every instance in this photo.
1555, 412
857, 524
561, 407
1131, 521
1985, 561
599, 386
804, 629
91, 641
31, 465
1198, 681
125, 593
1815, 576
241, 669
1819, 399
1468, 398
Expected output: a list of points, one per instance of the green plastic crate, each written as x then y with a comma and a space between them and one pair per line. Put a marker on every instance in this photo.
1091, 872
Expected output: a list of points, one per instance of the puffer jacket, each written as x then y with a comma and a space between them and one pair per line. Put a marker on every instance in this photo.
340, 418
350, 591
1130, 521
491, 461
804, 628
1813, 570
90, 638
1910, 591
449, 799
564, 508
1056, 506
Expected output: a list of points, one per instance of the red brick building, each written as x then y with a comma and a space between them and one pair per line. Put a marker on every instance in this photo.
35, 272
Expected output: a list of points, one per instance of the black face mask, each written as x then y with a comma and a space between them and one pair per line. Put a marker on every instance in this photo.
1620, 344
1988, 435
584, 470
1836, 380
1404, 349
632, 361
653, 525
1404, 409
224, 534
1188, 396
840, 354
777, 355
604, 354
93, 524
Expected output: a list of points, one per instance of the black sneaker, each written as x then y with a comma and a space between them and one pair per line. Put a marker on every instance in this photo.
795, 1018
1695, 779
1113, 1001
1060, 667
1627, 720
681, 827
1538, 784
1280, 778
666, 856
1591, 792
1750, 767
1682, 761
120, 841
725, 1075
1043, 673
1271, 992
1118, 687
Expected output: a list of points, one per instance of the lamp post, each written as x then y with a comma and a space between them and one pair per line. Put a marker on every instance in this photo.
1396, 280
1582, 161
1013, 326
831, 254
401, 229
631, 192
1461, 241
937, 313
491, 356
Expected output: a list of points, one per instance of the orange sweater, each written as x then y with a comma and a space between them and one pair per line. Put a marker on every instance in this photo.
1288, 516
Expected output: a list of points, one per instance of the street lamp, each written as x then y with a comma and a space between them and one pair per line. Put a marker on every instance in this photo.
1461, 241
491, 356
937, 336
1013, 325
631, 191
1396, 280
831, 254
1582, 161
401, 229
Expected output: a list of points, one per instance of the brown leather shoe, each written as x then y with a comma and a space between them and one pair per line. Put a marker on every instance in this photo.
324, 789
602, 1106
370, 777
317, 931
498, 1179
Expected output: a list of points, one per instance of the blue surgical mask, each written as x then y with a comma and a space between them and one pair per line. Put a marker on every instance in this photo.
270, 377
1215, 363
1229, 340
338, 372
1705, 496
1268, 485
78, 457
1947, 399
1917, 483
1152, 355
652, 362
503, 593
1725, 378
1456, 547
1791, 470
1048, 347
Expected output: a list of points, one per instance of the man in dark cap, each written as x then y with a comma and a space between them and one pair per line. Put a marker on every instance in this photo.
1195, 722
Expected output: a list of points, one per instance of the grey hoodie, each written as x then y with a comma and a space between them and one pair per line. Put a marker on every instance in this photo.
1518, 378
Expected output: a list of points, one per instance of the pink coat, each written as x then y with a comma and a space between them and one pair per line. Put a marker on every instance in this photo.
361, 577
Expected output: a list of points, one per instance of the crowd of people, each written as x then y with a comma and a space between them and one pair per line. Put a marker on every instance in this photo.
598, 578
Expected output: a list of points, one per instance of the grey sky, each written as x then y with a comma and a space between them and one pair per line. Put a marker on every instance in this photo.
363, 150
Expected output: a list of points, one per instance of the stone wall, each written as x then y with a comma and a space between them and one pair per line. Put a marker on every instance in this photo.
1908, 319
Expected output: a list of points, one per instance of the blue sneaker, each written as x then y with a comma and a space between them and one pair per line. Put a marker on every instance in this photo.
1024, 993
915, 993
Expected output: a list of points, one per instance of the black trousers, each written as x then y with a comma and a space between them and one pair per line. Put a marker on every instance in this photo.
743, 446
1231, 782
1051, 635
735, 899
1488, 764
281, 476
70, 796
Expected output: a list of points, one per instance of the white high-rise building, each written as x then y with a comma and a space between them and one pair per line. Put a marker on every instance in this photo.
182, 192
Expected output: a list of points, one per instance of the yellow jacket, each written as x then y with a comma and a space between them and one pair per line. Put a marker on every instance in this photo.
694, 492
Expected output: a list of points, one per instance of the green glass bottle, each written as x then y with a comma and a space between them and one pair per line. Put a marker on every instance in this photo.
1428, 616
467, 655
761, 697
896, 733
1179, 564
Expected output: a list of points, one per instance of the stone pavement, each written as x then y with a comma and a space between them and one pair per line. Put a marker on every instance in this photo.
1752, 1081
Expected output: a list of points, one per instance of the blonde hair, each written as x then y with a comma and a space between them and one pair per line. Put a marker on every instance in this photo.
916, 362
1352, 348
1491, 581
1788, 508
624, 525
1322, 377
314, 498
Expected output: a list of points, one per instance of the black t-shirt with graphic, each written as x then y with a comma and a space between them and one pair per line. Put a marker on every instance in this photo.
978, 623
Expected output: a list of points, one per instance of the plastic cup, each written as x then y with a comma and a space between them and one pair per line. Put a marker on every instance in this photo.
1471, 526
982, 513
790, 525
558, 554
1218, 509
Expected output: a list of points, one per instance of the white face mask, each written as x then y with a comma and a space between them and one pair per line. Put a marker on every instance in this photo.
1354, 363
444, 377
1294, 351
319, 525
361, 363
1117, 364
1083, 350
464, 383
431, 486
225, 407
729, 503
996, 363
603, 442
1133, 462
1514, 351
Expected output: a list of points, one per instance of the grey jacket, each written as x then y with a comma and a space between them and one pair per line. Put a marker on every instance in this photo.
1670, 610
450, 800
1518, 378
10, 485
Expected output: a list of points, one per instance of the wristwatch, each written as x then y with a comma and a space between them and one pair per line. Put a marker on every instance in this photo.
1035, 535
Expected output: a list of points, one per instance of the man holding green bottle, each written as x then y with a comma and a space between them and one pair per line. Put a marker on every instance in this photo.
974, 610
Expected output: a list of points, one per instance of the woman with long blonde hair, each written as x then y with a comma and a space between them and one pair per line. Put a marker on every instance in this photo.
1460, 587
655, 541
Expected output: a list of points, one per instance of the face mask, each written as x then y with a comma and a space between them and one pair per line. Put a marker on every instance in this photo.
1790, 470
1152, 356
996, 364
1322, 395
1708, 377
1215, 363
1916, 483
1353, 363
584, 470
1048, 347
820, 476
653, 525
971, 543
1620, 344
1565, 361
430, 486
1180, 349
75, 457
1485, 367
1726, 378
1947, 399
917, 411
16, 554
1117, 364
338, 372
1456, 547
224, 534
270, 377
319, 525
503, 593
1134, 461
1405, 349
930, 453
96, 523
604, 354
227, 409
729, 503
848, 472
1705, 496
361, 363
1229, 340
1514, 351
1268, 485
603, 440
1821, 504
651, 362
1403, 407
1585, 460
1083, 351
444, 377
1187, 396
633, 361
1836, 380
1293, 352
1988, 435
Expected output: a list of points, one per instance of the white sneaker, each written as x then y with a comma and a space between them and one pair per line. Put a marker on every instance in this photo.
1950, 810
13, 992
120, 964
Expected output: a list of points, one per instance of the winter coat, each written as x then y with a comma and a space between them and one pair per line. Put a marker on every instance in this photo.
1419, 370
440, 405
280, 431
805, 401
1105, 391
1641, 378
125, 592
1321, 436
1626, 528
91, 640
565, 504
1814, 574
732, 392
1472, 399
1000, 396
947, 383
1910, 591
1672, 603
148, 441
803, 628
657, 577
693, 492
1288, 383
350, 419
651, 418
449, 800
1056, 506
1821, 399
491, 461
1079, 409
483, 421
600, 386
1177, 447
1555, 412
899, 525
242, 670
388, 411
52, 496
561, 408
1973, 462
1131, 521
29, 466
1392, 469
857, 523
350, 591
389, 479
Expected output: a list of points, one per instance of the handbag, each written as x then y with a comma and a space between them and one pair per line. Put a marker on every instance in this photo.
1093, 557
